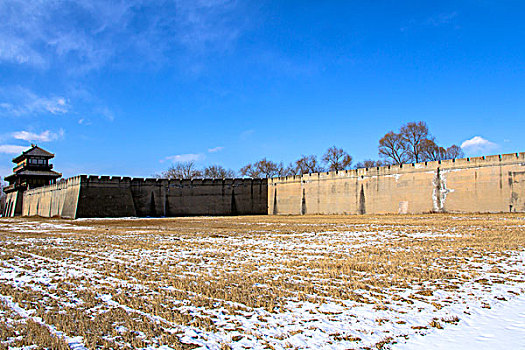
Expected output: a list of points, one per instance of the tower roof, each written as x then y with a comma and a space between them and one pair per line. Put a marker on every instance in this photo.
40, 173
33, 151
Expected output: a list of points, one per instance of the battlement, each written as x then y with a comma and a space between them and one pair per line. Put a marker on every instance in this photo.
461, 163
61, 185
493, 183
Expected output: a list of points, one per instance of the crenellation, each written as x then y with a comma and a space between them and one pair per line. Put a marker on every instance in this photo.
452, 185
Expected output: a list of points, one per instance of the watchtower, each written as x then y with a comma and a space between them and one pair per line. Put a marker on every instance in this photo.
32, 170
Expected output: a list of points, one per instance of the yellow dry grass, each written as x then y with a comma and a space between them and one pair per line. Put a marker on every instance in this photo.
135, 283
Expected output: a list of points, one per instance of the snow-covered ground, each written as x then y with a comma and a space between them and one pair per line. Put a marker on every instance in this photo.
229, 283
502, 327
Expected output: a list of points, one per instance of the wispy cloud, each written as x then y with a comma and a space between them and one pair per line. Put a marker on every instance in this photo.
88, 34
246, 134
18, 101
215, 149
189, 157
478, 145
441, 19
44, 136
106, 113
436, 20
12, 149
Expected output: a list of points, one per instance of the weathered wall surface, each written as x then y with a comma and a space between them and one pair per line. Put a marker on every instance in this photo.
104, 196
161, 197
60, 199
13, 204
481, 184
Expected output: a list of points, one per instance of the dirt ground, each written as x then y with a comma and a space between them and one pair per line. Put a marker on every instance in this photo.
252, 282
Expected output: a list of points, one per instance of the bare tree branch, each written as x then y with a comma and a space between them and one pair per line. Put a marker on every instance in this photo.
336, 159
391, 147
307, 165
218, 172
413, 135
182, 170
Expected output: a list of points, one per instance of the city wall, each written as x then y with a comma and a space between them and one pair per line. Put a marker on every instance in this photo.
13, 204
60, 199
482, 184
104, 196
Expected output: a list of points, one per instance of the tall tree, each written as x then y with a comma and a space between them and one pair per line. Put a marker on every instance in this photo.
392, 147
261, 169
430, 151
267, 167
285, 170
336, 159
413, 134
307, 165
455, 152
182, 170
218, 172
250, 170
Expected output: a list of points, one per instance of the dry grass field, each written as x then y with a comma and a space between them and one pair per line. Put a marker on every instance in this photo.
266, 282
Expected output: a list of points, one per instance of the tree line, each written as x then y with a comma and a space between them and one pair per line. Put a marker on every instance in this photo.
413, 143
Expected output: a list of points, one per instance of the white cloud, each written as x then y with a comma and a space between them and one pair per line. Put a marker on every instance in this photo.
106, 113
18, 101
185, 157
215, 149
12, 149
88, 34
247, 133
44, 136
442, 19
478, 145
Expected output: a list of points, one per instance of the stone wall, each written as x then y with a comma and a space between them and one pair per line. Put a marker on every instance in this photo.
481, 184
104, 196
161, 197
60, 199
13, 204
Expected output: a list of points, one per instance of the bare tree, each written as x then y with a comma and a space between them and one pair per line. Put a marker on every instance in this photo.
454, 152
307, 165
413, 134
287, 170
336, 159
218, 172
267, 167
260, 169
392, 147
368, 163
430, 151
250, 170
182, 170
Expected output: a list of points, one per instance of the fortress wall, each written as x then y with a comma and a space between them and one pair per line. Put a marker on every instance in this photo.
60, 199
199, 197
104, 196
162, 197
148, 196
481, 184
13, 204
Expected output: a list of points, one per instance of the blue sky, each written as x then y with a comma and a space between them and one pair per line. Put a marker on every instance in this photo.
128, 87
